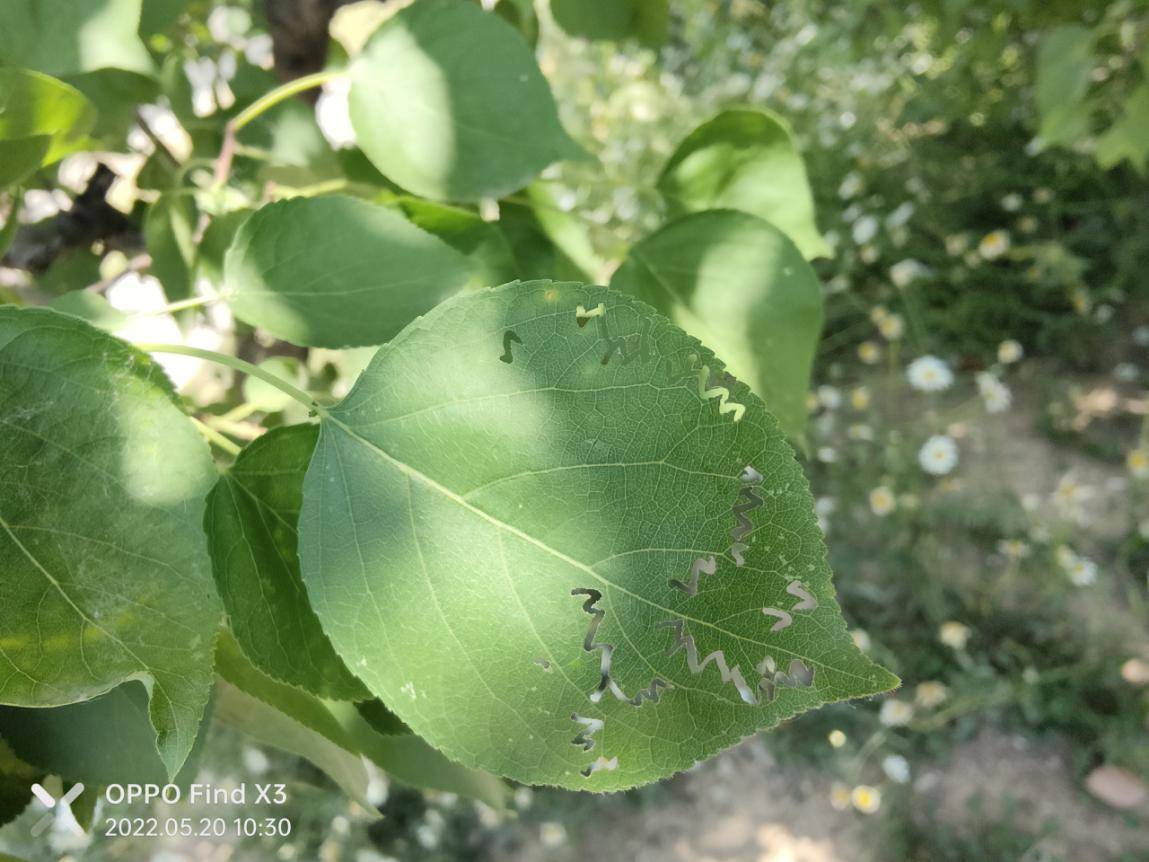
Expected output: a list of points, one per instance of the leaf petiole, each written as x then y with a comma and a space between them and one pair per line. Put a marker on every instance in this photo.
239, 365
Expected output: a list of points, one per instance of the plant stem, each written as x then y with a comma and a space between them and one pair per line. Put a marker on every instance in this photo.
213, 436
258, 107
182, 305
239, 365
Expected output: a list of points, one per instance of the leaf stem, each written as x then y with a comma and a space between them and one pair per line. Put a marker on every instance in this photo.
239, 365
182, 305
213, 436
268, 100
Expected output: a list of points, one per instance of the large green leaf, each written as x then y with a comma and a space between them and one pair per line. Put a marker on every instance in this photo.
448, 102
336, 271
1064, 62
106, 740
738, 283
61, 37
41, 120
251, 527
745, 160
106, 573
644, 20
525, 489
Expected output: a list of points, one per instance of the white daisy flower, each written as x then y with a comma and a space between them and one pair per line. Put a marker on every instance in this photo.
829, 397
1138, 462
897, 768
1009, 352
895, 713
904, 272
994, 393
929, 374
939, 455
864, 229
882, 501
850, 186
954, 634
994, 244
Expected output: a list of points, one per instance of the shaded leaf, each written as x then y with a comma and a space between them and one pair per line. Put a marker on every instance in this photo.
410, 760
287, 718
515, 486
106, 740
449, 103
106, 573
336, 271
482, 242
737, 283
251, 526
16, 779
61, 37
169, 229
644, 20
745, 160
91, 307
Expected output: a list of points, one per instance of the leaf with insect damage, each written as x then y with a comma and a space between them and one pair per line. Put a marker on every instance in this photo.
501, 532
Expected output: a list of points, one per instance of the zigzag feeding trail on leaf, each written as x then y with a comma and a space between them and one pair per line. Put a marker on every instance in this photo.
798, 675
585, 737
707, 390
709, 565
508, 337
718, 657
806, 602
606, 681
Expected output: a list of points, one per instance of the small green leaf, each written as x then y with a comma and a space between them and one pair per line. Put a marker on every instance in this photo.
1128, 137
644, 20
449, 103
482, 242
251, 526
90, 307
106, 740
41, 121
106, 572
61, 37
738, 283
539, 481
169, 229
1064, 62
336, 271
287, 718
568, 233
745, 160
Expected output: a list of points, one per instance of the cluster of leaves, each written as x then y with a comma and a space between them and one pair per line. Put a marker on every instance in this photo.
481, 542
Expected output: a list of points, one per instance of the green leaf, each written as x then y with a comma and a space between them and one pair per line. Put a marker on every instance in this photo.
41, 121
745, 160
287, 718
407, 758
336, 271
90, 307
251, 526
448, 102
482, 242
61, 37
568, 233
106, 573
1128, 137
169, 229
644, 20
11, 223
506, 499
536, 254
106, 740
117, 95
1064, 62
738, 283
